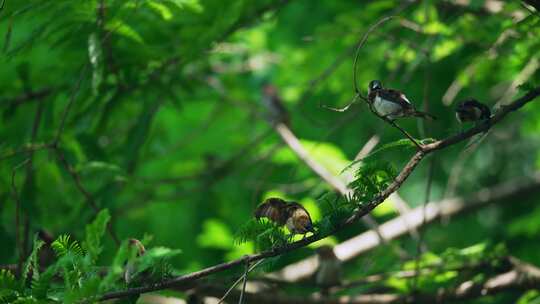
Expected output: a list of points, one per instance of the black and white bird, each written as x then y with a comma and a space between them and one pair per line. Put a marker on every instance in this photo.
471, 110
392, 104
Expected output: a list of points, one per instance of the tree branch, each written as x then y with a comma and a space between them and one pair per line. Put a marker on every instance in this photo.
362, 211
399, 226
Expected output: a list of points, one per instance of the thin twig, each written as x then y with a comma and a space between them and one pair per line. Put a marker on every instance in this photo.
240, 279
29, 168
241, 299
345, 108
27, 148
395, 125
360, 44
72, 97
78, 183
18, 204
27, 97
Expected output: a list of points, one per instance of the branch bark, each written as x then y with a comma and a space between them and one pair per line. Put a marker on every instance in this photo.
362, 211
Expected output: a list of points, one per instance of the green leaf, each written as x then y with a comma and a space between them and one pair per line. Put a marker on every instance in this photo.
402, 143
95, 232
8, 280
122, 28
370, 179
161, 9
32, 261
194, 5
116, 269
63, 246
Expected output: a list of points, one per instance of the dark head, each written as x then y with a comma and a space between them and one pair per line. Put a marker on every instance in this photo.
374, 85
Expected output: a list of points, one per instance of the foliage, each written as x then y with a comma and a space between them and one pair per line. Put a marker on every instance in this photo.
63, 246
82, 277
264, 233
371, 178
144, 117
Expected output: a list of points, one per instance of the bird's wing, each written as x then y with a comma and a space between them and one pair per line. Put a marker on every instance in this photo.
485, 112
395, 96
273, 209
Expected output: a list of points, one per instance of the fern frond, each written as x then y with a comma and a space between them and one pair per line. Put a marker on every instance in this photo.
42, 285
63, 245
32, 261
94, 234
8, 280
402, 143
371, 178
264, 233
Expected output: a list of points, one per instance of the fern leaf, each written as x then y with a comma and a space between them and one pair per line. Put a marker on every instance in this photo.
94, 234
402, 143
7, 280
32, 261
63, 245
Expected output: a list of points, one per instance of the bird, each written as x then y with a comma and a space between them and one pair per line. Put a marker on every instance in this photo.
392, 104
276, 111
329, 271
291, 214
471, 110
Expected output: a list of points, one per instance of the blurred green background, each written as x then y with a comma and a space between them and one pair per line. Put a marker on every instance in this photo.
166, 128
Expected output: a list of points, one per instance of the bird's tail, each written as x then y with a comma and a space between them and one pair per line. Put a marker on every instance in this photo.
424, 115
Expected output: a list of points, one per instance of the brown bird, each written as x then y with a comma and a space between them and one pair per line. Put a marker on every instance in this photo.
275, 109
329, 271
291, 214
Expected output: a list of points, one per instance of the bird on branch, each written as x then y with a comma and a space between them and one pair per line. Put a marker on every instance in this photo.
291, 214
471, 110
392, 104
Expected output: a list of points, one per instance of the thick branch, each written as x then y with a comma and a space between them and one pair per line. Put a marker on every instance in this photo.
365, 209
399, 226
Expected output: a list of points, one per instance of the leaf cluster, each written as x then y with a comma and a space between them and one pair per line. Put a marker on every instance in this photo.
75, 276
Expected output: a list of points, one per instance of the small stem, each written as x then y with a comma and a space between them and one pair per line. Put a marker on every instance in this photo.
395, 125
241, 299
